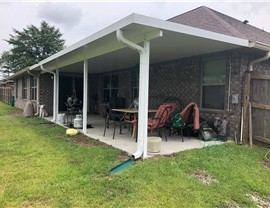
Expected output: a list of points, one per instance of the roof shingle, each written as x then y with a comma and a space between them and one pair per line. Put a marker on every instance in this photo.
211, 20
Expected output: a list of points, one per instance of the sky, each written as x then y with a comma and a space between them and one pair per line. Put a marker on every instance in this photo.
79, 19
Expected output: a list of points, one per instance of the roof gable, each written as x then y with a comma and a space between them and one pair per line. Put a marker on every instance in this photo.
211, 20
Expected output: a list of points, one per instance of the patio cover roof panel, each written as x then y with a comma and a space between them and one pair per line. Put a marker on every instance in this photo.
106, 53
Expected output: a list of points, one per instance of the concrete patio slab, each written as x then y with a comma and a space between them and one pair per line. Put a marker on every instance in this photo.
126, 143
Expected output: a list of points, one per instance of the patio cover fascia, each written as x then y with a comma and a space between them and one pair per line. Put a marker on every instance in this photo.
138, 30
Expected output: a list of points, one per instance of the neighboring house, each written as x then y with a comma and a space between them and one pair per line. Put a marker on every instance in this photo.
200, 56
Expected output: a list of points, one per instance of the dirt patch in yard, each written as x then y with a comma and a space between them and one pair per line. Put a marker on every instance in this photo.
261, 202
17, 112
203, 177
266, 164
83, 140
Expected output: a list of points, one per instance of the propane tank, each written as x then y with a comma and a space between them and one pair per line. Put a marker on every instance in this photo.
78, 122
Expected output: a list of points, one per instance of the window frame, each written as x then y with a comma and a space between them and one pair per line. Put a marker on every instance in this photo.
223, 58
24, 88
17, 88
110, 87
33, 88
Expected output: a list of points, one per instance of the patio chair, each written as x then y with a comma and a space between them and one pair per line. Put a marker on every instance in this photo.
110, 118
177, 101
161, 118
183, 120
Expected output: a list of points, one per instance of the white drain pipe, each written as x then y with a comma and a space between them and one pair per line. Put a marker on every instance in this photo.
143, 92
264, 58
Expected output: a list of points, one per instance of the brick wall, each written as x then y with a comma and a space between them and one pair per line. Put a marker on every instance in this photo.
46, 92
182, 78
178, 78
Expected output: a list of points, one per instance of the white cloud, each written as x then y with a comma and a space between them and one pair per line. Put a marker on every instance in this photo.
66, 14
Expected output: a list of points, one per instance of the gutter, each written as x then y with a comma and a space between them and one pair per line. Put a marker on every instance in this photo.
261, 46
28, 71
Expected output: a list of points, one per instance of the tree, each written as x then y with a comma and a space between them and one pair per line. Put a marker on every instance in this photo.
31, 45
5, 64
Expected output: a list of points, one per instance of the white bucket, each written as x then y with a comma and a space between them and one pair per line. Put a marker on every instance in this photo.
153, 144
78, 122
61, 118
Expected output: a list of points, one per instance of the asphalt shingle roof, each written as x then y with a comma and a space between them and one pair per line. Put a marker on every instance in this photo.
211, 20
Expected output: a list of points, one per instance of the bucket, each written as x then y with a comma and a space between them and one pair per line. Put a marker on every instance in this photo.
153, 144
61, 118
78, 122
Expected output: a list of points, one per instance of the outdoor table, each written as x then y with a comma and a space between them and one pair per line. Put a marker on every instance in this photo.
133, 111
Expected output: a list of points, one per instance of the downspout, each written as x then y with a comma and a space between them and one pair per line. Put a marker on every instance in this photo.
264, 58
54, 92
229, 87
37, 90
141, 142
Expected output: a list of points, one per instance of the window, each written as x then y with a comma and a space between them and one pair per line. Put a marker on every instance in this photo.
213, 84
16, 89
110, 86
24, 88
33, 88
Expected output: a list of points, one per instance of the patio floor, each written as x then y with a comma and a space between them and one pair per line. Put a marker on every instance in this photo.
126, 143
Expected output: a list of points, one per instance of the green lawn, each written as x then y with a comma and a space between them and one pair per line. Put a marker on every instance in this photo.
41, 167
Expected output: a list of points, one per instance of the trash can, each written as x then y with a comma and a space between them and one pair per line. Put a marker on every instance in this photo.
153, 144
12, 101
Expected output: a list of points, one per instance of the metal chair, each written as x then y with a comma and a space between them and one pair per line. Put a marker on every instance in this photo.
110, 118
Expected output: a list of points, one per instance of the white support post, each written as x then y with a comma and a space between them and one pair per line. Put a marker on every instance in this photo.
54, 97
143, 97
85, 97
57, 95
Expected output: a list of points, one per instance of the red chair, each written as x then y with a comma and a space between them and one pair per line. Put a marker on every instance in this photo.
161, 117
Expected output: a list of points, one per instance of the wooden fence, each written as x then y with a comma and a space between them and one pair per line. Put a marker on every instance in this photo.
6, 94
256, 110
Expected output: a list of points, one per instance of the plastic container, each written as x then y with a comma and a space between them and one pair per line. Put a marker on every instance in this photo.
71, 132
12, 101
78, 122
61, 118
153, 144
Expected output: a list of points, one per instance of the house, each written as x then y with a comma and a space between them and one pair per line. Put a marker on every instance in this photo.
201, 56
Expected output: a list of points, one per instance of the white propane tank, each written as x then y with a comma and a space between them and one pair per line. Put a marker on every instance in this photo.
78, 122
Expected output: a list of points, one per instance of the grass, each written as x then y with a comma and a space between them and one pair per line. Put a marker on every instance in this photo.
41, 167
